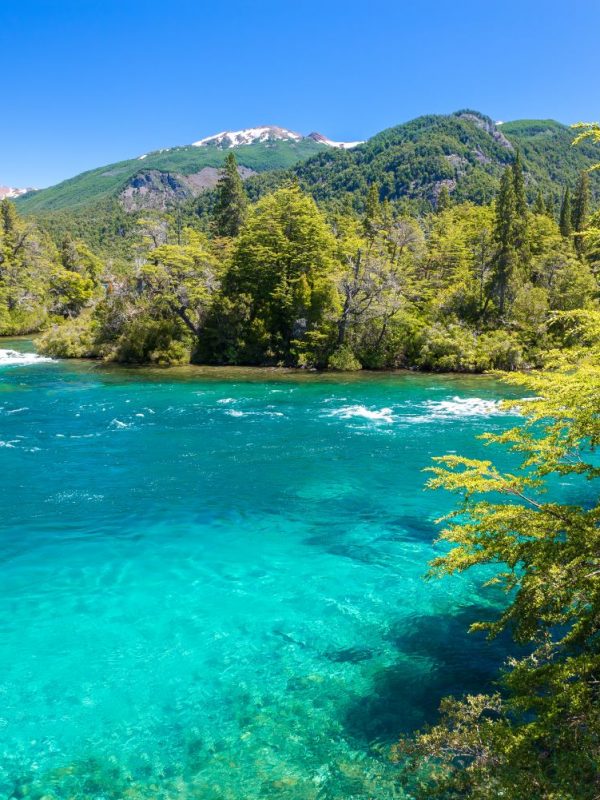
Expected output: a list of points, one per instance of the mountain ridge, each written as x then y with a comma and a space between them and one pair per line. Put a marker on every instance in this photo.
465, 152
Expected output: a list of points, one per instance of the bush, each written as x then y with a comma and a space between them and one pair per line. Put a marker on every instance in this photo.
451, 349
150, 341
498, 350
72, 339
344, 360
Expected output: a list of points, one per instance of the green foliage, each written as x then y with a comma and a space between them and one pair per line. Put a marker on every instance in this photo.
344, 360
566, 214
26, 262
229, 211
463, 154
281, 280
540, 736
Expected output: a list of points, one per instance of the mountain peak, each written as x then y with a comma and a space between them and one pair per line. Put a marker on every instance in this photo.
266, 133
247, 136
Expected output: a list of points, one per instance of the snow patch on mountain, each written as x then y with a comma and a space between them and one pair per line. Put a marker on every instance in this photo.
247, 136
318, 137
7, 192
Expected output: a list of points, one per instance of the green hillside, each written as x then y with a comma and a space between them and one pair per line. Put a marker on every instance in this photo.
411, 163
465, 152
108, 181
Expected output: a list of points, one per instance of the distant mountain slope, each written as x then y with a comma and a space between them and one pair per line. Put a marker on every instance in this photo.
466, 152
257, 150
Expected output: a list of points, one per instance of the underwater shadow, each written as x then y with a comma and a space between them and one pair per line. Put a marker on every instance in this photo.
437, 658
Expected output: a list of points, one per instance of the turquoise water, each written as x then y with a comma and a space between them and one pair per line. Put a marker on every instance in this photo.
212, 579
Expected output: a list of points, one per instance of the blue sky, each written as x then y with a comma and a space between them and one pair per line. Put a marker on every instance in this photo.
86, 83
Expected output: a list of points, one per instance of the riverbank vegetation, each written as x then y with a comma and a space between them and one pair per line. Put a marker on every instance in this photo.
284, 281
539, 734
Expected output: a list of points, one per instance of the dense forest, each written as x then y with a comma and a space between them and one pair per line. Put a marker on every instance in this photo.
286, 281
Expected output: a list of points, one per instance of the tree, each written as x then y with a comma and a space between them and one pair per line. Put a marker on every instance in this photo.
26, 261
283, 265
182, 277
231, 203
444, 200
566, 214
539, 205
378, 282
505, 231
580, 210
539, 736
372, 218
519, 186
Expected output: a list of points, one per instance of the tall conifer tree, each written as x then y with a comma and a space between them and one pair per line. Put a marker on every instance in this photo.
580, 209
519, 186
566, 223
372, 212
506, 225
539, 206
230, 208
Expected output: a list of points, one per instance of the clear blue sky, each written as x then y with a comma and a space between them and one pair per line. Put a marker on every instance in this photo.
88, 82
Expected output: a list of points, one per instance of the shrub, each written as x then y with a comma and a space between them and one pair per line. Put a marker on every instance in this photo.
344, 360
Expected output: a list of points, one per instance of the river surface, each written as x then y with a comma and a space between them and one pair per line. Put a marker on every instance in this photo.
212, 583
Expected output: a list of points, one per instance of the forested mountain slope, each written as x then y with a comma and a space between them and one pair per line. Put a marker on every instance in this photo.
463, 152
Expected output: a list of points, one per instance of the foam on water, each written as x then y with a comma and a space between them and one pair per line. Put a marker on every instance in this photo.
362, 412
459, 407
15, 358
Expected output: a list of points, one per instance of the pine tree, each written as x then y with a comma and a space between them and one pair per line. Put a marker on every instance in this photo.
505, 236
566, 224
372, 212
551, 207
580, 209
230, 208
521, 221
443, 199
506, 225
519, 186
539, 206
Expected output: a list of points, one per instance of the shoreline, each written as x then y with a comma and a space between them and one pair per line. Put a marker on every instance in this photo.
252, 369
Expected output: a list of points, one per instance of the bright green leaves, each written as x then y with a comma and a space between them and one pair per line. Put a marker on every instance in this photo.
541, 737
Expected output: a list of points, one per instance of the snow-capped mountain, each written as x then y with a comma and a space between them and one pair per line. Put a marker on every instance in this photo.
6, 192
266, 133
156, 178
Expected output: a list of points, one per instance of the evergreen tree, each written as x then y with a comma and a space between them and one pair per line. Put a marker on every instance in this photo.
521, 221
230, 207
372, 217
443, 199
8, 217
519, 186
506, 225
539, 206
581, 208
551, 207
566, 224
